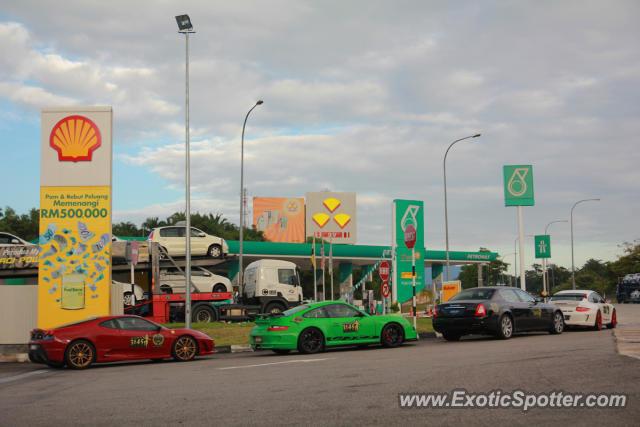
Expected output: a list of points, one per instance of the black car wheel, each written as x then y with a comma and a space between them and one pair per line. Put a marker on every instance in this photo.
311, 341
280, 351
451, 337
184, 348
219, 287
80, 354
558, 323
215, 251
505, 327
392, 335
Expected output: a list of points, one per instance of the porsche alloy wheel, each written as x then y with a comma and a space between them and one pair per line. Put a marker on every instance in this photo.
392, 335
80, 354
311, 341
598, 324
184, 348
614, 321
558, 323
505, 327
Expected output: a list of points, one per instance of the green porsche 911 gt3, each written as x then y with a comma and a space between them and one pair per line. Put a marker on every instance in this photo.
310, 328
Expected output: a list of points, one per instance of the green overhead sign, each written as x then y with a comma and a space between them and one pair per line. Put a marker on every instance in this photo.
543, 246
518, 185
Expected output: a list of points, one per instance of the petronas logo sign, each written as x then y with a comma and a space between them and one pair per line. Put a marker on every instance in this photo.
518, 185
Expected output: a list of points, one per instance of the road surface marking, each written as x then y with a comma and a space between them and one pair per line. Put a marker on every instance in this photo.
276, 363
20, 376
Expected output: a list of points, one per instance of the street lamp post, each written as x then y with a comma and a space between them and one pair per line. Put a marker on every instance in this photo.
573, 272
446, 216
545, 281
240, 283
185, 27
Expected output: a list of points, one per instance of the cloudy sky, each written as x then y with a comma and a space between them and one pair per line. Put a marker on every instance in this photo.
360, 96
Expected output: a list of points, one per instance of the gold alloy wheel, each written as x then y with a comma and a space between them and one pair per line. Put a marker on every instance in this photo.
185, 348
80, 355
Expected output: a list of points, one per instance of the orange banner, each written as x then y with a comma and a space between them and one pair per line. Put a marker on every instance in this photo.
281, 219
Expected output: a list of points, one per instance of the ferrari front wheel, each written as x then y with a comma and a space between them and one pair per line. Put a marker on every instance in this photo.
311, 341
184, 348
80, 354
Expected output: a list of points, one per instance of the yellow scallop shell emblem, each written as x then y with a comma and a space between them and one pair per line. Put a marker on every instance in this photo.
321, 219
75, 138
331, 204
342, 219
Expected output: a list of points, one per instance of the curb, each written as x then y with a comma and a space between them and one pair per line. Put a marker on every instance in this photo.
234, 348
14, 358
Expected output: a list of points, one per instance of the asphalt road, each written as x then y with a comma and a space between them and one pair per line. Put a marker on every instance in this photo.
339, 387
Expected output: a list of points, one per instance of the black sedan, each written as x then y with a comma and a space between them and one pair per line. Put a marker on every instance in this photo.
499, 311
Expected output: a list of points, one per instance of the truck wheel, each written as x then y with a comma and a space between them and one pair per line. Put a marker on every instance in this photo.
311, 341
80, 354
184, 349
274, 308
203, 314
219, 287
215, 251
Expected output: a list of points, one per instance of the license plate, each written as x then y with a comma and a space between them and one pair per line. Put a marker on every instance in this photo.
33, 347
257, 339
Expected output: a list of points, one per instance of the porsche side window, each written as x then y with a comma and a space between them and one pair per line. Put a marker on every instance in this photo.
341, 310
316, 313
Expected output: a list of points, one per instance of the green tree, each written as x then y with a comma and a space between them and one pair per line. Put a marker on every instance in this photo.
491, 274
126, 229
25, 226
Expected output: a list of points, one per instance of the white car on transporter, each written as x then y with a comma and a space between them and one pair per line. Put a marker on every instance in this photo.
585, 308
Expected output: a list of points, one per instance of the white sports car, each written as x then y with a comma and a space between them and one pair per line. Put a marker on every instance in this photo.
585, 308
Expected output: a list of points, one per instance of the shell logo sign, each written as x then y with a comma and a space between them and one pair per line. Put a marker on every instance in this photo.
330, 215
75, 138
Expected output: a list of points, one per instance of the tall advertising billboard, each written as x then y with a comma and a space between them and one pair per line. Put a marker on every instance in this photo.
407, 213
74, 272
332, 216
281, 219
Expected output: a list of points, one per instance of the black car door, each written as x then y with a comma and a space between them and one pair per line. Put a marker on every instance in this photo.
538, 317
518, 308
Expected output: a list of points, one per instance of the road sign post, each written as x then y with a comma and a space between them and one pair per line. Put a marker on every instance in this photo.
410, 240
518, 191
132, 252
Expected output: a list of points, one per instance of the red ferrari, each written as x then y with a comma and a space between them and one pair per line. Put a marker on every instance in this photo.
114, 338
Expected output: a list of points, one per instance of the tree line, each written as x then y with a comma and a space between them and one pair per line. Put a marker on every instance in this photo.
595, 274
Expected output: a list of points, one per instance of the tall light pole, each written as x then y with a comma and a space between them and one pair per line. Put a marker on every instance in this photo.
515, 267
446, 215
573, 272
185, 27
240, 285
544, 261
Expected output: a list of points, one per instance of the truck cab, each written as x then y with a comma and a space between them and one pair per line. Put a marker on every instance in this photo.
273, 284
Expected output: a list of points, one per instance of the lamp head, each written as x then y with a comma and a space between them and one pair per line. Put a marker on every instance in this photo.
260, 101
476, 135
184, 23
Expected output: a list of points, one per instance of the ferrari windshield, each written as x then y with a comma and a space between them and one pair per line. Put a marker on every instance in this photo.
568, 297
476, 293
